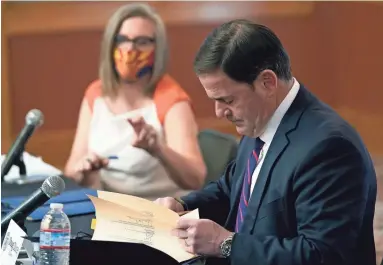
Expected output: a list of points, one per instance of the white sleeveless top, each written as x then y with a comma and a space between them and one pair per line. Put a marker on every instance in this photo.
135, 172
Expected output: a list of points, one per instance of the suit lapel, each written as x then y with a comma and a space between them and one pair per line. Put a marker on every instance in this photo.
276, 149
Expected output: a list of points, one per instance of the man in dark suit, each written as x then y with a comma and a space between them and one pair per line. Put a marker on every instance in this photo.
302, 189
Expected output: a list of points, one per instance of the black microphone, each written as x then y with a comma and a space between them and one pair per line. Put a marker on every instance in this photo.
50, 188
33, 119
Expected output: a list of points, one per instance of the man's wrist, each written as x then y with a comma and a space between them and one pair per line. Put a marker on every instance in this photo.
226, 245
183, 204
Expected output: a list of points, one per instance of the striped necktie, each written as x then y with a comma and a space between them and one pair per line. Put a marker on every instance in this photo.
245, 193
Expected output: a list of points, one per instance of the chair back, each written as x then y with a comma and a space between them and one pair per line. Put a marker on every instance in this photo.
218, 149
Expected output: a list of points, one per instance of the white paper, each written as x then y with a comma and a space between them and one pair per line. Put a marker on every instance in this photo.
37, 170
12, 243
28, 245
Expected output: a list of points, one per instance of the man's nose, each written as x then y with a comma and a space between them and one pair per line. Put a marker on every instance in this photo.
219, 109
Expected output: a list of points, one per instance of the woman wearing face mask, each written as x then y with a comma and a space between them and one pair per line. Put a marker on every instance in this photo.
136, 132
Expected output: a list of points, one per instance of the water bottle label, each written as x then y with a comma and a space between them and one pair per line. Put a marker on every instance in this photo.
54, 239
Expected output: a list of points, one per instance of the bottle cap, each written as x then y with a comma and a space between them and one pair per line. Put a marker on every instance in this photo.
57, 206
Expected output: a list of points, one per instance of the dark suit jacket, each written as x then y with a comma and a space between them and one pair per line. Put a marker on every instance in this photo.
314, 199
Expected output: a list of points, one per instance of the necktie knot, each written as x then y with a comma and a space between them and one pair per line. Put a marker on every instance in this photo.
258, 143
258, 147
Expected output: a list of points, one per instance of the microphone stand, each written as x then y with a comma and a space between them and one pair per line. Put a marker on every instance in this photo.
17, 161
22, 168
21, 165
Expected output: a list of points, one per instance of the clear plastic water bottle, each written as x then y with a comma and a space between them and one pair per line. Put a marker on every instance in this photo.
55, 233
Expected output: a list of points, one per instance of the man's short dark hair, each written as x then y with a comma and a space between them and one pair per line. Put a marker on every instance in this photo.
242, 49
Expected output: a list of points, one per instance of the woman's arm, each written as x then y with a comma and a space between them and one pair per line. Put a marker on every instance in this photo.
92, 180
80, 146
181, 154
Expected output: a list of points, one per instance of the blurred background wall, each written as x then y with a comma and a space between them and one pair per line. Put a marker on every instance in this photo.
50, 54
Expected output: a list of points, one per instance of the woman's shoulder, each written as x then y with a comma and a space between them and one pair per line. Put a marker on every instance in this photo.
168, 92
92, 92
168, 85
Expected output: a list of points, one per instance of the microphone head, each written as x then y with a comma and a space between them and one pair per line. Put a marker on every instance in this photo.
34, 117
53, 186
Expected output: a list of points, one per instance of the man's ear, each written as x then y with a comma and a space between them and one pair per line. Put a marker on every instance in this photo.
268, 79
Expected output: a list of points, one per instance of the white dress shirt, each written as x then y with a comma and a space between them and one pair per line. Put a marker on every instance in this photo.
271, 128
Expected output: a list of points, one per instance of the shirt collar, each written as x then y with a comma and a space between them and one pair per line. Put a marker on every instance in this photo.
272, 125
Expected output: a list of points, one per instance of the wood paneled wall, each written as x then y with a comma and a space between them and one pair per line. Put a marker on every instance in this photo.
72, 16
50, 54
6, 123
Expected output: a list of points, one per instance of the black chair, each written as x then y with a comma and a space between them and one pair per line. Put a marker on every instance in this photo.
218, 149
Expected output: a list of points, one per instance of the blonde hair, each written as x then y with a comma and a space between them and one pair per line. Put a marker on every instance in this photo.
109, 79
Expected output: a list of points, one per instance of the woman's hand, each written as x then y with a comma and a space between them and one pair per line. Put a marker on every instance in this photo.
146, 136
90, 163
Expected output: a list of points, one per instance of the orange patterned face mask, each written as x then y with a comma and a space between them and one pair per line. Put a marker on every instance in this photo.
133, 64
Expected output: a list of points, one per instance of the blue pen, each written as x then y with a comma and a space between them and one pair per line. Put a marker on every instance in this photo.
111, 168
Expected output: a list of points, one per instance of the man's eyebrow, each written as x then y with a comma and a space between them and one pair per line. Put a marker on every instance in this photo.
223, 98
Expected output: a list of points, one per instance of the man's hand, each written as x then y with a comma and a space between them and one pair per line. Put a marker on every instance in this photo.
146, 136
201, 236
171, 204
